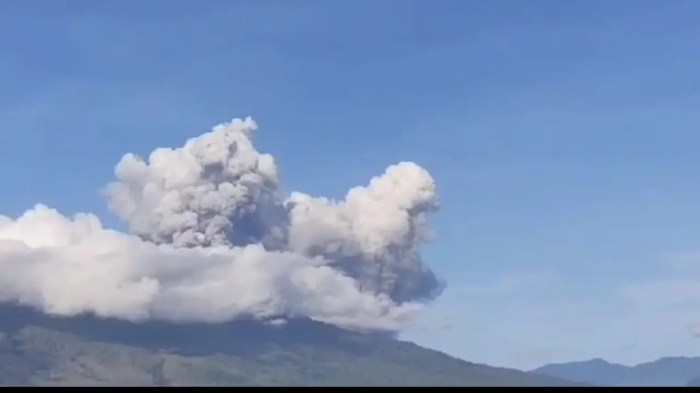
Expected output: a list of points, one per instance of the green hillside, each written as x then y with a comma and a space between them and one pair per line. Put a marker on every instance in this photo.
91, 352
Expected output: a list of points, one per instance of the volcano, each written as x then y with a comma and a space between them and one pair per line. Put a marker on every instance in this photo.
41, 350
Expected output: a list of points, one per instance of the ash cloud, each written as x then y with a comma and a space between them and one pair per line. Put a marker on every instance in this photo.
213, 239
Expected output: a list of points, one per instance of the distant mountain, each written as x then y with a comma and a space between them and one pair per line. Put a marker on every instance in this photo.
40, 350
668, 371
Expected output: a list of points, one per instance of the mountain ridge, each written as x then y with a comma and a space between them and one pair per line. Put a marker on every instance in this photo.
39, 350
665, 371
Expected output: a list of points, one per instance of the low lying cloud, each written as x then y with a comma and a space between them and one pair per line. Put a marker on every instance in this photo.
212, 239
694, 330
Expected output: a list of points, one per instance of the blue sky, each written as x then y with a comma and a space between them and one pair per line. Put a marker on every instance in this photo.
562, 135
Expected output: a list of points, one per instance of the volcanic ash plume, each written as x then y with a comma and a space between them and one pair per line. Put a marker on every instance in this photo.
213, 239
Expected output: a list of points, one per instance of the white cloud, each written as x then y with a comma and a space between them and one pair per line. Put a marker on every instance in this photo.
664, 293
212, 240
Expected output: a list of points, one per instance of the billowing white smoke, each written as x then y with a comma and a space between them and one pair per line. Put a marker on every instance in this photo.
200, 193
213, 240
374, 234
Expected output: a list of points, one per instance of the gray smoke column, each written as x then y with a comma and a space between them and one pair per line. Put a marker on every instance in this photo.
199, 194
373, 234
212, 239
